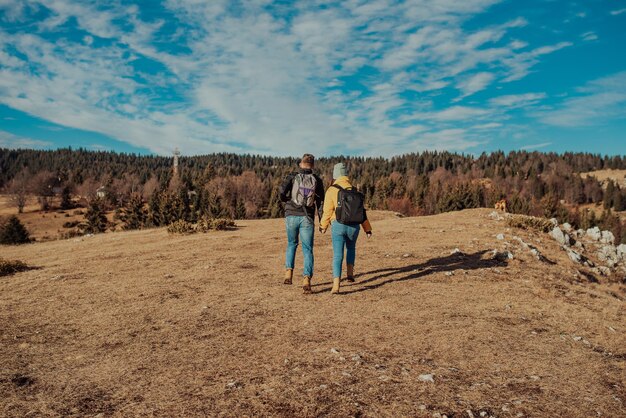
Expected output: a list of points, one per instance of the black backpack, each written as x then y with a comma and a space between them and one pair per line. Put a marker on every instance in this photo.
350, 206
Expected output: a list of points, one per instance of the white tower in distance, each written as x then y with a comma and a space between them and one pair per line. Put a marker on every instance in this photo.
176, 155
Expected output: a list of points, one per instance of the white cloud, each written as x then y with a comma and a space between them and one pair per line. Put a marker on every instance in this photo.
256, 82
589, 36
490, 125
11, 141
457, 113
521, 63
475, 83
535, 146
598, 101
447, 139
517, 100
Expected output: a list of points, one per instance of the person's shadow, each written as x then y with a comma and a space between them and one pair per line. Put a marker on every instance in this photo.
377, 278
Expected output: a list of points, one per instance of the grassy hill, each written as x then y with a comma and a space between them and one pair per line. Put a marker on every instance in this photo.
148, 324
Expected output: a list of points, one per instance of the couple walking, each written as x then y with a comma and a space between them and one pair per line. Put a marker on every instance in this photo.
343, 211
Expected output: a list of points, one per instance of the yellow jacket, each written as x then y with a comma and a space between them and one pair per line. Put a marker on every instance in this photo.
330, 203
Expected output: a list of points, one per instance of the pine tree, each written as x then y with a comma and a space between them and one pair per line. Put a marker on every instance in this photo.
154, 211
618, 200
609, 194
216, 210
275, 207
96, 217
66, 198
133, 215
13, 232
240, 209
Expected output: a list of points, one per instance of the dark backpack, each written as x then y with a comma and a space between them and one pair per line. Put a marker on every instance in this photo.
303, 190
350, 206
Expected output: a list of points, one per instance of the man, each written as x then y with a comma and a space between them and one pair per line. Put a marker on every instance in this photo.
302, 193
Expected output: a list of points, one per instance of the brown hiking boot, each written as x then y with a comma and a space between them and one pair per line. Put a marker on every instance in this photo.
335, 289
306, 285
288, 276
350, 273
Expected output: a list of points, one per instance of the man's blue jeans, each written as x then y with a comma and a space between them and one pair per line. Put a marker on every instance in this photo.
344, 237
300, 230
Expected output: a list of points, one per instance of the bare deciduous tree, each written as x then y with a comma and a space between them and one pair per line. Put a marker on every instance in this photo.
19, 189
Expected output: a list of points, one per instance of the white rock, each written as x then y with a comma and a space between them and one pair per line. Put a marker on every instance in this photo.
426, 378
607, 238
334, 351
594, 233
500, 236
608, 254
456, 251
449, 273
621, 251
574, 256
554, 222
559, 236
566, 227
407, 255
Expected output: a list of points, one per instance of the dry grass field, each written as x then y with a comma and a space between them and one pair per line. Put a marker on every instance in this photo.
149, 324
619, 176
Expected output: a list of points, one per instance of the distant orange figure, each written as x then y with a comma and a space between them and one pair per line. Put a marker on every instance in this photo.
501, 205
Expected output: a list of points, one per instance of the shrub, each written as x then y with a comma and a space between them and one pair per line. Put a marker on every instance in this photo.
529, 222
13, 232
8, 267
72, 233
181, 227
71, 224
221, 224
205, 224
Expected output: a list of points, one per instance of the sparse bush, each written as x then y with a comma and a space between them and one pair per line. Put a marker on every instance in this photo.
221, 224
13, 232
8, 267
181, 227
73, 233
205, 224
529, 222
71, 224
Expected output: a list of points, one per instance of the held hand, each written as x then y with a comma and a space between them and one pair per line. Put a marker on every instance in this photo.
369, 234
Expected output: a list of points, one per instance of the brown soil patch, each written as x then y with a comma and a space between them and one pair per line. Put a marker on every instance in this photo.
149, 324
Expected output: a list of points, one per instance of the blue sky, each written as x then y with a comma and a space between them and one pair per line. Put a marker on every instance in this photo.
380, 77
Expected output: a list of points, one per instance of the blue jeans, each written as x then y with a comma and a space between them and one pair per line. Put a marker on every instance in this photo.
344, 237
299, 229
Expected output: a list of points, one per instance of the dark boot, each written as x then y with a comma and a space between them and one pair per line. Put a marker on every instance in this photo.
350, 273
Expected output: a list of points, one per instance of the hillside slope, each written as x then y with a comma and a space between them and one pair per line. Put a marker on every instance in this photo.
148, 324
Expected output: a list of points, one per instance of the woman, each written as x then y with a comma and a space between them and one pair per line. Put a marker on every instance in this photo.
344, 235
